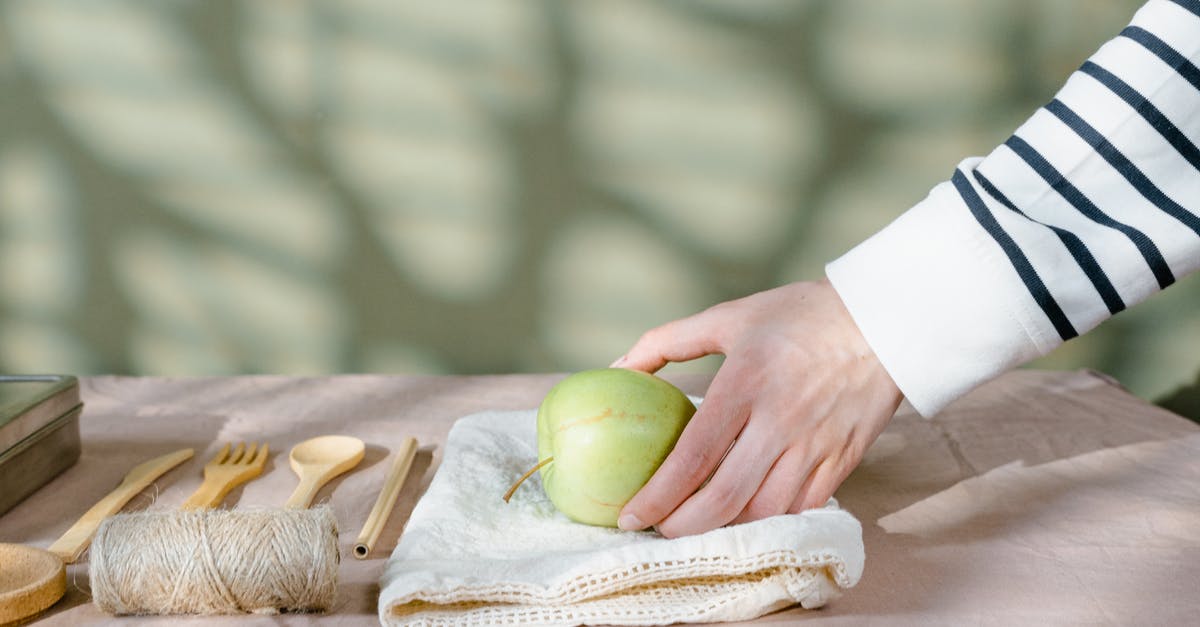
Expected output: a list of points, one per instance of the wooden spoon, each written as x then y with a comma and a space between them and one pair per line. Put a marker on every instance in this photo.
320, 459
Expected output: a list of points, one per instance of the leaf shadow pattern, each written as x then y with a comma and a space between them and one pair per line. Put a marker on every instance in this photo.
398, 186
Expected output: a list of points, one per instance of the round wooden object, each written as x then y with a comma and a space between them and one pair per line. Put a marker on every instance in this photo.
31, 580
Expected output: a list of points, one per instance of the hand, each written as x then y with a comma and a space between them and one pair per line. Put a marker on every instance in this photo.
789, 414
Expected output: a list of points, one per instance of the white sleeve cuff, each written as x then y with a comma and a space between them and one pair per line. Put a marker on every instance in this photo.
938, 301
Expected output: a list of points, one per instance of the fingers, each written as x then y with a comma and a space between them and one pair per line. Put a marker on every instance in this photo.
840, 462
779, 490
820, 485
681, 340
734, 484
700, 448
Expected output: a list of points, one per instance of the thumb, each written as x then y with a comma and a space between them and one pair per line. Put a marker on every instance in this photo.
681, 340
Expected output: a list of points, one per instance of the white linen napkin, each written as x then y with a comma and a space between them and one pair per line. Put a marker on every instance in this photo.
469, 558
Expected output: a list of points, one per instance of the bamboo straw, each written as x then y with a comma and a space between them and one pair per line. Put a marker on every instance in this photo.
387, 498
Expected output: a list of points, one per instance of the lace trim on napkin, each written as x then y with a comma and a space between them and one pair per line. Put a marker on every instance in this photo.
644, 593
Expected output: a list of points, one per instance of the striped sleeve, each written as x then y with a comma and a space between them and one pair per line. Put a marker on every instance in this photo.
1088, 208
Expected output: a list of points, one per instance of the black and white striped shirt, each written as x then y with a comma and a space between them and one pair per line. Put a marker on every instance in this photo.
1090, 207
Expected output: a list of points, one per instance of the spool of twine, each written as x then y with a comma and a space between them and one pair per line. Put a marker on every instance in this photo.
216, 562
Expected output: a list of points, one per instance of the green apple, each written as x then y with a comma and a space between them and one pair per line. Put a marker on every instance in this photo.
601, 435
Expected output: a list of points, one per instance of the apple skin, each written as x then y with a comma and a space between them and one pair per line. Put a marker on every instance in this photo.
608, 430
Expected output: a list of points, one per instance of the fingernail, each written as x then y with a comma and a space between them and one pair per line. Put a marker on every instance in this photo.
618, 363
629, 522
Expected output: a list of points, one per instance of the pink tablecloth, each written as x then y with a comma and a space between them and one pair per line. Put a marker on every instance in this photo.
1041, 497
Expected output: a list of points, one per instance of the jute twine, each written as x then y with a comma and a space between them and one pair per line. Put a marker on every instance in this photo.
216, 562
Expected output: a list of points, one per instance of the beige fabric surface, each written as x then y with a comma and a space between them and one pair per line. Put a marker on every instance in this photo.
1040, 497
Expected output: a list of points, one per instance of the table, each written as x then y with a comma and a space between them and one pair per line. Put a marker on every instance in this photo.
1041, 497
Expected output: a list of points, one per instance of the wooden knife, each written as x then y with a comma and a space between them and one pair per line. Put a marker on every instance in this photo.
79, 536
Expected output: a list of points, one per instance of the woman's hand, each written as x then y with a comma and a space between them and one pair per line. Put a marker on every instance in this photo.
799, 398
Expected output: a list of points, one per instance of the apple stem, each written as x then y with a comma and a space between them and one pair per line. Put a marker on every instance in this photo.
508, 495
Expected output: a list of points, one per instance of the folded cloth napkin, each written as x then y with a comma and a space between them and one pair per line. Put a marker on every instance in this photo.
469, 558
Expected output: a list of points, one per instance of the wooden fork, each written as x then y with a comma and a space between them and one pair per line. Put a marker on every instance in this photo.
226, 471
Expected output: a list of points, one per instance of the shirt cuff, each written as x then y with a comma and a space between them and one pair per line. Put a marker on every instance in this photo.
939, 303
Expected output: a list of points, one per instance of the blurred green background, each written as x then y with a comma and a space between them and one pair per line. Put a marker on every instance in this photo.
194, 187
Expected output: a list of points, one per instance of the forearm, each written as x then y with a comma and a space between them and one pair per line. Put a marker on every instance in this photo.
1090, 207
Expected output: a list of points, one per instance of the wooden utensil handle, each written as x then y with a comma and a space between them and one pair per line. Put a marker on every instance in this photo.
76, 539
304, 493
79, 536
208, 495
